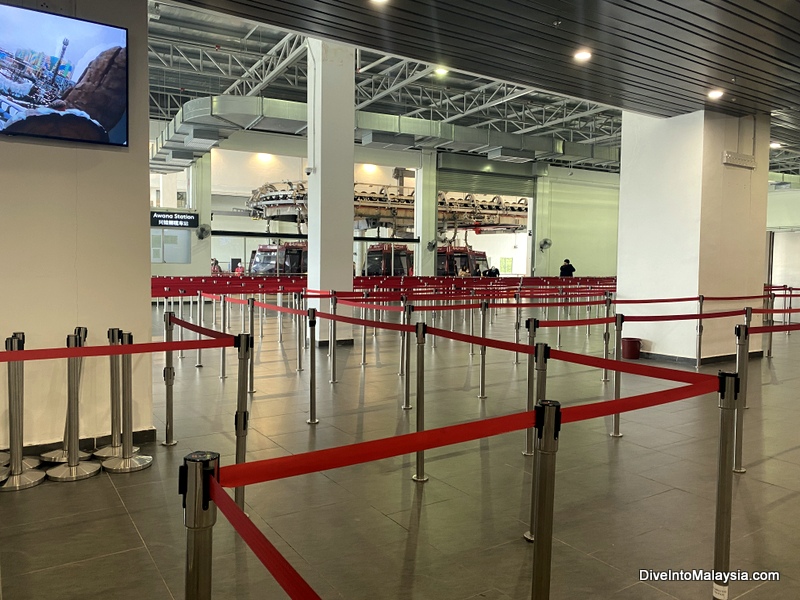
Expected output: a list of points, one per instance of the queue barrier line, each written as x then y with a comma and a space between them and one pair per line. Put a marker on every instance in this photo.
774, 311
577, 322
691, 317
210, 296
547, 304
445, 307
372, 306
362, 452
366, 323
481, 341
230, 300
774, 328
630, 368
658, 300
212, 333
91, 351
727, 298
583, 412
283, 309
280, 568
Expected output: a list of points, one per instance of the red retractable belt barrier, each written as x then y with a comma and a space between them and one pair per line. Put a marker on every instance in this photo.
283, 572
726, 298
201, 330
481, 341
577, 322
87, 351
709, 315
372, 306
367, 323
657, 300
774, 328
354, 454
583, 412
283, 309
774, 311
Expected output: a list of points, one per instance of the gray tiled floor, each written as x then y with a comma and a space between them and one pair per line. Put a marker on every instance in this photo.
645, 501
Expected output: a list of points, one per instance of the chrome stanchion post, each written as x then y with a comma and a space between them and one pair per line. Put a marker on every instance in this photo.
280, 315
222, 357
482, 378
300, 329
251, 378
261, 310
434, 315
615, 419
472, 323
548, 426
420, 476
406, 348
541, 357
699, 351
748, 318
241, 313
403, 338
169, 382
518, 315
214, 311
115, 447
364, 331
729, 389
742, 363
537, 377
789, 312
244, 344
312, 367
332, 340
771, 322
199, 517
22, 473
73, 470
180, 330
606, 334
127, 463
199, 322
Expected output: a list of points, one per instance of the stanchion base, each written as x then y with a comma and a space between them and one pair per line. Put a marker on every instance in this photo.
615, 435
605, 380
199, 366
28, 463
528, 537
742, 470
422, 479
223, 376
27, 479
333, 381
482, 397
404, 407
111, 452
172, 443
310, 422
526, 453
62, 456
127, 465
5, 458
66, 473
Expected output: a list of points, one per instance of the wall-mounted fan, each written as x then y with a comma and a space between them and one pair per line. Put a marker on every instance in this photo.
544, 244
203, 231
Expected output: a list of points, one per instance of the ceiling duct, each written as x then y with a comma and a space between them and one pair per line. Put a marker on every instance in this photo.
512, 156
387, 141
201, 139
180, 156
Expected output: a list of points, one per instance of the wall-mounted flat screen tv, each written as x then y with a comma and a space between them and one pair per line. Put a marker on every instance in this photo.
62, 78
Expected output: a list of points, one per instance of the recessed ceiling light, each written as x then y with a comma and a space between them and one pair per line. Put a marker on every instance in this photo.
441, 71
583, 55
378, 1
715, 94
775, 145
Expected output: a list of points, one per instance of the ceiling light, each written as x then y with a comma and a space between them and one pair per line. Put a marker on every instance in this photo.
583, 55
441, 71
378, 1
774, 145
264, 157
715, 94
370, 168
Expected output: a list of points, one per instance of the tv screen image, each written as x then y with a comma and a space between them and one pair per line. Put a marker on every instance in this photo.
62, 78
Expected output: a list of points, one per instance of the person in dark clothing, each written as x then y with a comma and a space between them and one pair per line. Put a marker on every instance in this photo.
566, 269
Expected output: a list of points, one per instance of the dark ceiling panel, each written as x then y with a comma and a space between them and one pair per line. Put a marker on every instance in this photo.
659, 57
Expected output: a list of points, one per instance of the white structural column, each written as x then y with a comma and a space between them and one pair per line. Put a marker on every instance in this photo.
426, 213
690, 224
331, 121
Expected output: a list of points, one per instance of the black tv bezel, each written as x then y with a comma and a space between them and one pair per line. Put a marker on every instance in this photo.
127, 86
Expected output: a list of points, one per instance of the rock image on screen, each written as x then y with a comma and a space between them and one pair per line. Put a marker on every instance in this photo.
62, 78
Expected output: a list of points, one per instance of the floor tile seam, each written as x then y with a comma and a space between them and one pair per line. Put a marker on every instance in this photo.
141, 538
6, 528
644, 583
75, 563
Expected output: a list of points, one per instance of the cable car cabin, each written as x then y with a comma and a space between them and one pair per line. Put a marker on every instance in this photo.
452, 261
379, 260
285, 259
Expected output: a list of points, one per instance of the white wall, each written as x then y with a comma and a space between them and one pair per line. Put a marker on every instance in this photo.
659, 223
578, 210
76, 228
783, 209
500, 245
786, 259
